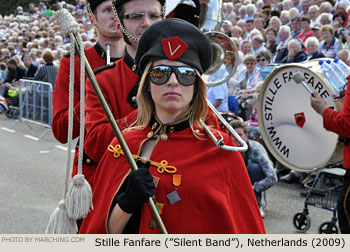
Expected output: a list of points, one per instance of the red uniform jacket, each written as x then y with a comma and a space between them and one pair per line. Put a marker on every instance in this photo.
215, 190
116, 84
339, 122
96, 58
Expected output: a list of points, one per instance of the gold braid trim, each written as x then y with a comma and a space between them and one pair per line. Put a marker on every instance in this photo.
161, 167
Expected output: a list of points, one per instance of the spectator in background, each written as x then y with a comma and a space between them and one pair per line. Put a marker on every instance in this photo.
218, 96
263, 58
246, 47
287, 4
257, 44
293, 13
330, 44
314, 14
306, 31
259, 25
295, 27
47, 72
305, 4
312, 44
326, 7
259, 166
325, 18
237, 33
284, 17
295, 52
316, 31
227, 27
243, 12
30, 67
15, 72
3, 72
271, 43
344, 55
266, 17
282, 50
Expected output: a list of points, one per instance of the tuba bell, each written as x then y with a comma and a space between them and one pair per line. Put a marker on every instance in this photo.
225, 58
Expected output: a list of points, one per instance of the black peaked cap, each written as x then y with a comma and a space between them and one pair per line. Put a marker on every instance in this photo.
178, 38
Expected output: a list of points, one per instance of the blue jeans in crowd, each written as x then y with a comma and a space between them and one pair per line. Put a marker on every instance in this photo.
255, 174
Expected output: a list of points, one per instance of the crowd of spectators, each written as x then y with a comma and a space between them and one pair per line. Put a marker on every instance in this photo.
31, 46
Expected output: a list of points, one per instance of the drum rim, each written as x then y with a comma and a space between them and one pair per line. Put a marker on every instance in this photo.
260, 117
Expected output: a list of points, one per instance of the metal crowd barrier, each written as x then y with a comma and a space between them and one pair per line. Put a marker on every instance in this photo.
35, 104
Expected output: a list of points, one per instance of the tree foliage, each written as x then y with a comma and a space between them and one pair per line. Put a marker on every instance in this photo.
8, 7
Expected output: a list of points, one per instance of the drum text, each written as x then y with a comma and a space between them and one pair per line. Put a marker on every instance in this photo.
276, 140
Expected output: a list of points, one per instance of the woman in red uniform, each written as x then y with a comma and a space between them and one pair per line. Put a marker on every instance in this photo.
196, 187
101, 14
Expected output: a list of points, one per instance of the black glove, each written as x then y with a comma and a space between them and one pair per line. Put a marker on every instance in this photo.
139, 188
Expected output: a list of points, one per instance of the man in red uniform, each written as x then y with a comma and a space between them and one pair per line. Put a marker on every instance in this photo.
118, 81
339, 122
101, 14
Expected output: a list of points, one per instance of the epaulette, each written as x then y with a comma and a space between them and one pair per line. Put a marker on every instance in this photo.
67, 55
104, 67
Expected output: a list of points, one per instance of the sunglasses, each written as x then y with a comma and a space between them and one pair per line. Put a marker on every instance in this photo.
186, 76
138, 16
249, 63
258, 60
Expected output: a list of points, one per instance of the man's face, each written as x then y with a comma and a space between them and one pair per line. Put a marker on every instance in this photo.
27, 61
313, 13
283, 35
255, 45
316, 33
249, 26
139, 15
324, 20
305, 7
241, 133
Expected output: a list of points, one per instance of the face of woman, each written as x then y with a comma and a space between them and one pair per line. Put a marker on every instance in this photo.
275, 24
171, 98
311, 48
250, 65
262, 62
327, 36
305, 26
270, 36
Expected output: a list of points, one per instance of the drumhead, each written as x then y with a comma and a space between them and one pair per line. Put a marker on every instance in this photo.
292, 130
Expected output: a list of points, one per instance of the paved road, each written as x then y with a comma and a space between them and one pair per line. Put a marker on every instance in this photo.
32, 183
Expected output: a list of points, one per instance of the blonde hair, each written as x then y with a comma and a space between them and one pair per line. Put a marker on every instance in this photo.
198, 107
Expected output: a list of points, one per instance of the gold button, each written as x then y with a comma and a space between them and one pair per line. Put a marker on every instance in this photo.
154, 125
164, 137
133, 99
150, 134
88, 161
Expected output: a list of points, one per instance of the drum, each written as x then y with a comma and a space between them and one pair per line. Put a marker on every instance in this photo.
293, 132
